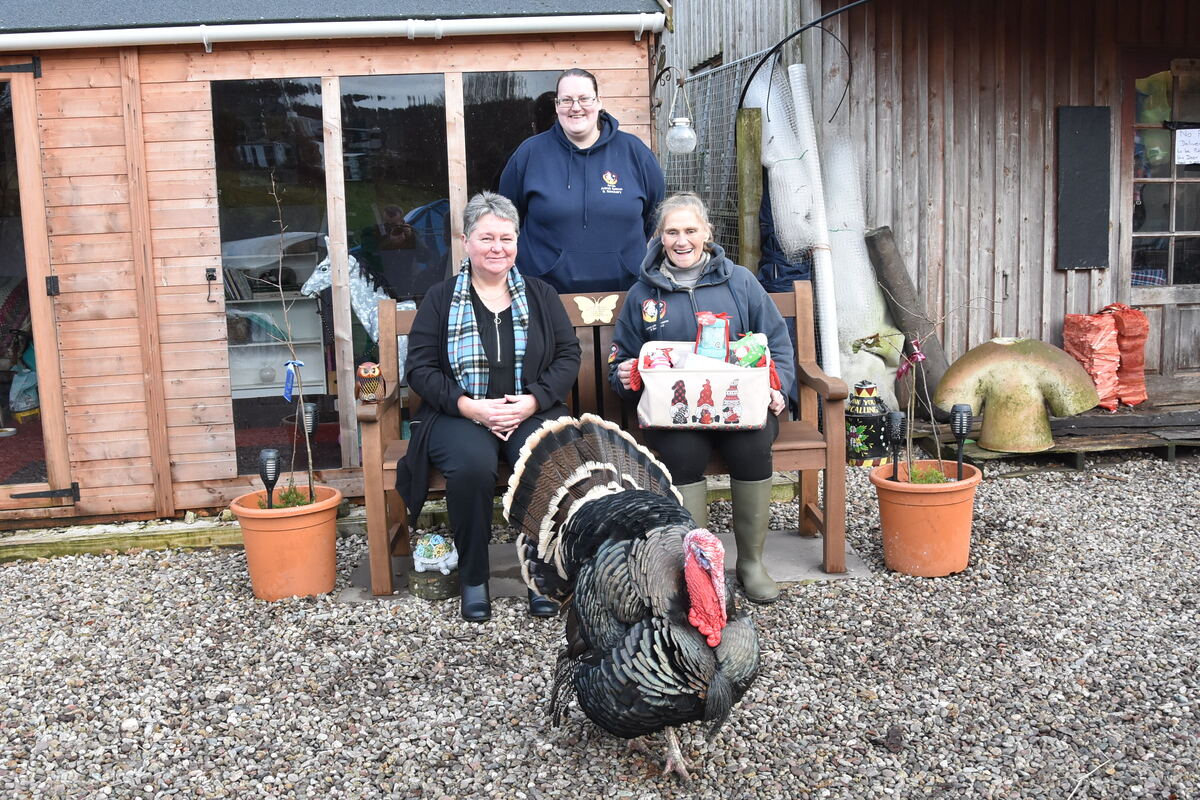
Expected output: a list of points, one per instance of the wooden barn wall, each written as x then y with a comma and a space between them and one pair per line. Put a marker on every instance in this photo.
952, 106
128, 166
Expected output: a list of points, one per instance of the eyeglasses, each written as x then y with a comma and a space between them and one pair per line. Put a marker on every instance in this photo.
567, 102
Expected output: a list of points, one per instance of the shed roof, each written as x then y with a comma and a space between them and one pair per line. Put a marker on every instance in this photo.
60, 15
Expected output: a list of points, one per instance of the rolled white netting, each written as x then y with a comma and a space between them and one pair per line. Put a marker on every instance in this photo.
797, 202
864, 322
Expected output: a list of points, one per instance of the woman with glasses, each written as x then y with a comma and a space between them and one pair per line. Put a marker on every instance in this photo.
586, 192
492, 355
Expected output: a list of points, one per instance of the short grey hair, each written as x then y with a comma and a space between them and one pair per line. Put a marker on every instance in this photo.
679, 202
486, 203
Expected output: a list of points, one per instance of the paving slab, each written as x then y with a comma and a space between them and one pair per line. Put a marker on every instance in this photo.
790, 559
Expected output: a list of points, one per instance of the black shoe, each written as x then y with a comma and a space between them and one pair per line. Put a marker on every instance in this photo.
541, 606
476, 603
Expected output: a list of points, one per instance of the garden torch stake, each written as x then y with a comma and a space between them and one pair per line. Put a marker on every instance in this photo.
960, 426
268, 470
896, 428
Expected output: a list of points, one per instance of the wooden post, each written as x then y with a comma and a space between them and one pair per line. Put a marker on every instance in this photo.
456, 163
343, 345
749, 177
147, 295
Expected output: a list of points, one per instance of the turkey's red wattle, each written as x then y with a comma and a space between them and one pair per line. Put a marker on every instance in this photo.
705, 583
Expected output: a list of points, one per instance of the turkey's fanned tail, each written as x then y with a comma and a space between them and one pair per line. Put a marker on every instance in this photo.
564, 464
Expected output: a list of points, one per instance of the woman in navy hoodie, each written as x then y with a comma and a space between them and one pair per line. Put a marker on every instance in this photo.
586, 193
684, 273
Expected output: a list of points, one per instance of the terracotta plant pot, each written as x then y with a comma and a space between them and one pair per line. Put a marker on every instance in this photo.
926, 526
290, 552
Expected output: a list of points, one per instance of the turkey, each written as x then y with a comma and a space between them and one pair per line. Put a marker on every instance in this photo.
653, 637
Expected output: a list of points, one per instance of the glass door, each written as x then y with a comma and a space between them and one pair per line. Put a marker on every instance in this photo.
1164, 128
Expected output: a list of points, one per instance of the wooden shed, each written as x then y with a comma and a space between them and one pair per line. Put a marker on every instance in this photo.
1007, 217
170, 168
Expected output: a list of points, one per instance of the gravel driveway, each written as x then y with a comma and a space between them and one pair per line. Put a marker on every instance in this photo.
1062, 664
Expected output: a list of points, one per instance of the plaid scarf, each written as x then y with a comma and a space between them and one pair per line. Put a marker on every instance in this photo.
468, 361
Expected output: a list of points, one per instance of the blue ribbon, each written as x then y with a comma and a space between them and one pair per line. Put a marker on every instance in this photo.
289, 380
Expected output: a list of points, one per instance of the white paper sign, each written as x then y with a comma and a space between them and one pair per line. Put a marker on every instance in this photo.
1187, 146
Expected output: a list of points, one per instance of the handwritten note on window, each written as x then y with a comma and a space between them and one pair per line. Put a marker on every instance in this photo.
1187, 146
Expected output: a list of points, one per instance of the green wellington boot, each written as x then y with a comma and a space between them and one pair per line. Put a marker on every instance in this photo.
695, 500
751, 518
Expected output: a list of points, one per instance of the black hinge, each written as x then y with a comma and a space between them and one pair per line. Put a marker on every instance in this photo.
52, 289
72, 493
34, 66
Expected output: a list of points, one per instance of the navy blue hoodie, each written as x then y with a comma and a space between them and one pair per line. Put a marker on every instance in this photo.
586, 214
657, 308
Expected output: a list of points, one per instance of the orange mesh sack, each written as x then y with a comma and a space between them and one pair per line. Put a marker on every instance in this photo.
1092, 340
1132, 331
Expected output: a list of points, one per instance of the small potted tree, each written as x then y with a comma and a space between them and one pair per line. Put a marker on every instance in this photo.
926, 506
290, 534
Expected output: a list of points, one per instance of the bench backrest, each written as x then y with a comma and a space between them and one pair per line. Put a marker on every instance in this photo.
594, 316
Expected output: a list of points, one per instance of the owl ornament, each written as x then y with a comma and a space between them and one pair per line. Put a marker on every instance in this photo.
368, 382
434, 552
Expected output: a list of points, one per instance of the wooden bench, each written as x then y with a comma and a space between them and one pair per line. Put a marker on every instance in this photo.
801, 447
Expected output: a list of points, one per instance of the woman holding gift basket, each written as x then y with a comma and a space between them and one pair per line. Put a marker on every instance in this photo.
689, 292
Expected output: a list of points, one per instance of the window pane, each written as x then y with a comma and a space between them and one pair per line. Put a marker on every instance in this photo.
1151, 206
1187, 207
1187, 103
1187, 107
1153, 98
1149, 262
1187, 260
268, 130
1151, 154
397, 185
501, 110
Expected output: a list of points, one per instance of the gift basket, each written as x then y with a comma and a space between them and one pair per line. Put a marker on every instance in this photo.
709, 383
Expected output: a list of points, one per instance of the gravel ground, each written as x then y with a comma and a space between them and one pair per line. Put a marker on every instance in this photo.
1061, 664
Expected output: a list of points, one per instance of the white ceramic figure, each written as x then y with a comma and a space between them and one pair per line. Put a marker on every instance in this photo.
434, 551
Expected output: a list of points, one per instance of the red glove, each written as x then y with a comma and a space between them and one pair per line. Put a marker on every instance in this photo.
774, 377
635, 377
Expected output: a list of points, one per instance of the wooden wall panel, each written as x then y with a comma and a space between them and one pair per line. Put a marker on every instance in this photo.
103, 389
380, 57
74, 132
86, 190
95, 277
79, 102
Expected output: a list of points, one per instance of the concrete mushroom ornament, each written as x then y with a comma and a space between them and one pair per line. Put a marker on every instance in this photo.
1012, 383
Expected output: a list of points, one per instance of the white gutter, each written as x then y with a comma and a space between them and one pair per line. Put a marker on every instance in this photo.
206, 35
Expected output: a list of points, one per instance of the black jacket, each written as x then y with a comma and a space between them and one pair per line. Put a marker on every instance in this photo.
549, 370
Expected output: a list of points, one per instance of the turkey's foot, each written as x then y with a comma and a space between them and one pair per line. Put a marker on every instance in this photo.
639, 747
674, 760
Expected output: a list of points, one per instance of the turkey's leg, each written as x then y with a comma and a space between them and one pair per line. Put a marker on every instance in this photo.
674, 758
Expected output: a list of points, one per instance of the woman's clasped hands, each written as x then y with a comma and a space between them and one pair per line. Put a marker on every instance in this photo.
501, 415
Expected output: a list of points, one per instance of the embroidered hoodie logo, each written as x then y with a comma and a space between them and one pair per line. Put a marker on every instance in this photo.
653, 311
610, 183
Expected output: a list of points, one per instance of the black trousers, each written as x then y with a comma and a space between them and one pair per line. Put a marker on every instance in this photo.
469, 456
686, 451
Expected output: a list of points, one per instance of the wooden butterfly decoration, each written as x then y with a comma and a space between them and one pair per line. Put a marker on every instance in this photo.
594, 311
368, 382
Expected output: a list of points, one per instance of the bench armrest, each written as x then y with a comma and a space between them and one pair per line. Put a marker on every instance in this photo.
830, 388
373, 412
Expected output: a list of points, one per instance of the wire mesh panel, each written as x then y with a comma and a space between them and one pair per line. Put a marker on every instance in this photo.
711, 169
